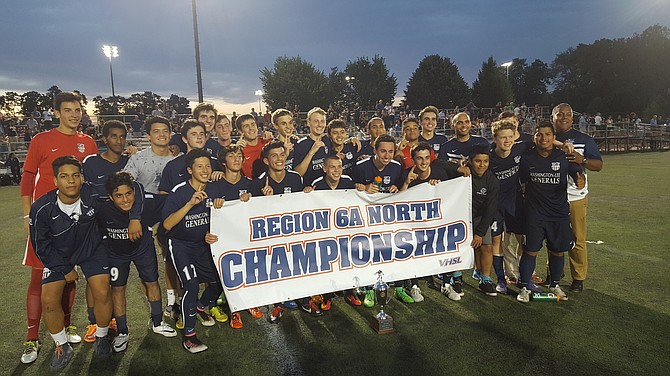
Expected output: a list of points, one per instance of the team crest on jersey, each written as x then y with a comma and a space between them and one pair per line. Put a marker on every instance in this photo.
387, 180
242, 191
436, 147
517, 159
46, 273
81, 148
287, 190
482, 191
350, 155
555, 166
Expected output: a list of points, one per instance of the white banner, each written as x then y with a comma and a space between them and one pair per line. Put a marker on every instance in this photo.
279, 248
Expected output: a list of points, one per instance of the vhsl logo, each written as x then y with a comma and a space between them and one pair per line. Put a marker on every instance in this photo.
450, 261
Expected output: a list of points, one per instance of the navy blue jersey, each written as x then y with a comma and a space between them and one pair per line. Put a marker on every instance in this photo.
365, 172
175, 172
288, 165
97, 169
114, 224
300, 151
367, 148
179, 142
291, 183
507, 171
231, 191
213, 148
546, 182
346, 182
195, 224
436, 142
349, 157
525, 137
484, 200
454, 149
436, 172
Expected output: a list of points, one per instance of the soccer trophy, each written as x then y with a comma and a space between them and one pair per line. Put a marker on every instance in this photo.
383, 322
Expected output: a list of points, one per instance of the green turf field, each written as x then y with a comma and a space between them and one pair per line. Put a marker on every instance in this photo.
620, 324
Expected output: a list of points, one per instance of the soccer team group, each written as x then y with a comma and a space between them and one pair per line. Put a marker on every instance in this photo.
100, 212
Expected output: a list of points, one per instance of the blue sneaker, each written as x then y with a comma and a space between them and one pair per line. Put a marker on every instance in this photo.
477, 275
532, 287
501, 287
291, 304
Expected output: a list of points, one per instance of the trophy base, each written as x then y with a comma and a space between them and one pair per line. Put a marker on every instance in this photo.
383, 325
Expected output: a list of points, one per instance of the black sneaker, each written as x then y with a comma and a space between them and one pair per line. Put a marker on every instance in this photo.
457, 284
312, 308
488, 288
103, 347
193, 345
577, 286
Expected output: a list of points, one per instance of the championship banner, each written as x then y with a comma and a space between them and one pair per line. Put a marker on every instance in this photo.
286, 247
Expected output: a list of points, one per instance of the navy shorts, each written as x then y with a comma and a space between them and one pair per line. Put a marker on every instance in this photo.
558, 235
145, 263
93, 265
503, 221
192, 262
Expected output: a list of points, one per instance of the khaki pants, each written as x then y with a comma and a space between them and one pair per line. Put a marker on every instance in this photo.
509, 245
578, 258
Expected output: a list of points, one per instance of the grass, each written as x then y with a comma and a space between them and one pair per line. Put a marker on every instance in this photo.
618, 326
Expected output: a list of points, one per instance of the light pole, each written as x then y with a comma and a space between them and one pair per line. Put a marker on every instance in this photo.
506, 65
111, 52
196, 41
259, 94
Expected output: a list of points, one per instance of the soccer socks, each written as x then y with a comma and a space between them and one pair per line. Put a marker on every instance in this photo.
188, 307
121, 324
498, 267
211, 293
102, 331
91, 315
555, 269
526, 267
156, 309
60, 338
34, 304
69, 294
171, 297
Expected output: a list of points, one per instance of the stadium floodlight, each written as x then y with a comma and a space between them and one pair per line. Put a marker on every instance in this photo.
111, 52
506, 66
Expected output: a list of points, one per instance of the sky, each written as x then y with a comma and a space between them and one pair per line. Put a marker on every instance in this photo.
47, 43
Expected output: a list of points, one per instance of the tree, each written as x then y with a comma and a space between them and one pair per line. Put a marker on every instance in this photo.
50, 95
180, 104
372, 82
295, 81
108, 105
10, 103
31, 101
142, 102
529, 82
436, 81
491, 86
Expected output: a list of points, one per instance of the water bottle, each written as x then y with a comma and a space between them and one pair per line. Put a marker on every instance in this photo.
378, 182
545, 297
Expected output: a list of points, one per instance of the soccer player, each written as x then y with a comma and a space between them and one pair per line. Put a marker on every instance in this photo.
64, 234
283, 122
588, 156
175, 171
186, 217
544, 174
147, 165
38, 179
252, 144
410, 139
233, 186
428, 118
312, 150
347, 152
114, 218
206, 114
375, 128
224, 132
423, 172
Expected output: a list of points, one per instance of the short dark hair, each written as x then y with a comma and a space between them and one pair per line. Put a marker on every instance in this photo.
156, 119
271, 145
479, 149
194, 154
375, 118
188, 125
113, 124
420, 147
336, 123
203, 107
330, 158
118, 179
227, 150
66, 96
242, 118
221, 117
384, 138
545, 124
65, 160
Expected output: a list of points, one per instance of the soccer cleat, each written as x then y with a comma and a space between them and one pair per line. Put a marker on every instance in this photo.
193, 345
487, 287
448, 290
312, 308
218, 314
72, 336
476, 275
352, 299
255, 312
61, 357
180, 323
501, 287
402, 295
90, 333
163, 329
30, 350
120, 343
325, 305
112, 325
276, 314
369, 300
204, 318
577, 286
559, 292
236, 321
290, 304
415, 293
103, 347
523, 296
